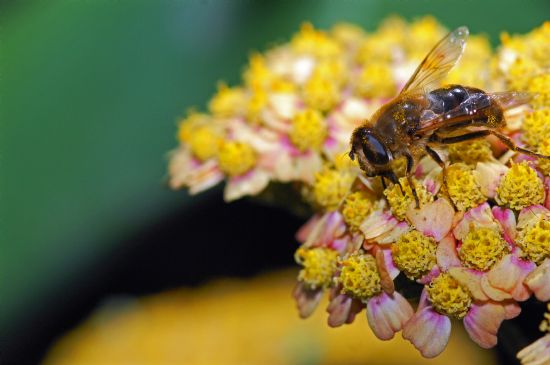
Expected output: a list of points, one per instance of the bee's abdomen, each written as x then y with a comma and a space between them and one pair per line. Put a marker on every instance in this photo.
448, 98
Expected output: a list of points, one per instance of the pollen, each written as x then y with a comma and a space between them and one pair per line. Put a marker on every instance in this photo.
236, 158
321, 93
448, 296
470, 152
463, 187
331, 187
534, 241
319, 266
204, 143
228, 101
376, 80
315, 42
356, 208
520, 187
536, 127
544, 163
482, 248
399, 203
309, 130
539, 86
359, 276
414, 254
520, 73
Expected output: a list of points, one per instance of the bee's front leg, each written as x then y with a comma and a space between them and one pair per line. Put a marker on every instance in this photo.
410, 167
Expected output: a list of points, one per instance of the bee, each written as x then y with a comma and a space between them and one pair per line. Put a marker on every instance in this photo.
424, 116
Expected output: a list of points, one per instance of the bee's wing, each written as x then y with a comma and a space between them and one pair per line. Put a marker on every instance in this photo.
473, 108
439, 61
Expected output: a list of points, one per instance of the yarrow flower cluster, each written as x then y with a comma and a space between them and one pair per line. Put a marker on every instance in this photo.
474, 248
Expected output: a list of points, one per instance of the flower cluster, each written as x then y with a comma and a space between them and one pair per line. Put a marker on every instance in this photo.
474, 248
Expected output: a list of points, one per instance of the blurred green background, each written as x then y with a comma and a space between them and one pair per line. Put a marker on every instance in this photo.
90, 95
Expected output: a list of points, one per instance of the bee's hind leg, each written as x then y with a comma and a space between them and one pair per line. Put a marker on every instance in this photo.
443, 166
410, 166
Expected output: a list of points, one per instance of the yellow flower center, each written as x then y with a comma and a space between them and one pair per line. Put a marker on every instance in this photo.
463, 187
359, 276
356, 208
331, 187
315, 42
331, 69
190, 123
448, 296
256, 104
520, 187
539, 87
414, 254
470, 152
236, 158
520, 73
376, 80
534, 241
399, 203
321, 93
309, 130
319, 266
482, 248
228, 101
204, 143
257, 75
536, 127
544, 163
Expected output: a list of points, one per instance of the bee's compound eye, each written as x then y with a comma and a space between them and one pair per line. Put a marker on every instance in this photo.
375, 151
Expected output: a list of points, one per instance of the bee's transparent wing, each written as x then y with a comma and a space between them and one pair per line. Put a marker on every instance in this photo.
438, 62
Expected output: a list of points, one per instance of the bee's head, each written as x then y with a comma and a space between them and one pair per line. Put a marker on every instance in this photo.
372, 154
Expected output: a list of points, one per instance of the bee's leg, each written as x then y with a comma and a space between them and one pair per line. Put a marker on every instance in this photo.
441, 164
410, 166
383, 182
478, 134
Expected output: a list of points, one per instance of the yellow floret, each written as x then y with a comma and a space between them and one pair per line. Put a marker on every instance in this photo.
331, 187
424, 33
236, 158
315, 42
470, 152
347, 34
190, 123
319, 266
539, 86
309, 130
204, 143
544, 163
520, 187
536, 127
399, 203
414, 254
520, 73
321, 93
448, 296
359, 276
228, 101
356, 208
534, 241
256, 104
257, 75
376, 80
463, 187
482, 248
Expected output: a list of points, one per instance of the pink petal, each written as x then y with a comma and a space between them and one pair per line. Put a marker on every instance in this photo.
511, 309
537, 353
342, 309
539, 281
306, 299
505, 279
428, 331
426, 279
488, 175
446, 254
251, 183
393, 234
532, 214
387, 314
507, 220
433, 219
306, 229
482, 323
471, 279
480, 216
378, 223
386, 280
